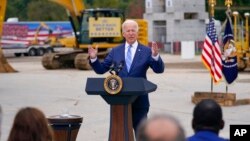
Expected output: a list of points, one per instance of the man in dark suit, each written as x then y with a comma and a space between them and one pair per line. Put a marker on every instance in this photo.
138, 58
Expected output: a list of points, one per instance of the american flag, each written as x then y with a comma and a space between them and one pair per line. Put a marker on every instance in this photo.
211, 53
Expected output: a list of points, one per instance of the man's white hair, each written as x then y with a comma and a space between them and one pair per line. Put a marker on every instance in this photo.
130, 22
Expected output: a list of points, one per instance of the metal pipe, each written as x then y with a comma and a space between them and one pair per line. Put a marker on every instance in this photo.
235, 14
247, 30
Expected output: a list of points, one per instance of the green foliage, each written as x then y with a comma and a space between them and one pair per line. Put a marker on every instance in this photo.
44, 10
105, 4
116, 4
220, 13
33, 10
17, 8
39, 10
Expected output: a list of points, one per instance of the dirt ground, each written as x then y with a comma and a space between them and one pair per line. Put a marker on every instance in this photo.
63, 91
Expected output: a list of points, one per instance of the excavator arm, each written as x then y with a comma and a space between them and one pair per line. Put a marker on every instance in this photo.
3, 4
4, 65
75, 7
74, 10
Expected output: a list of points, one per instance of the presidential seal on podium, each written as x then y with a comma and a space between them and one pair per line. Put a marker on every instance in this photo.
113, 84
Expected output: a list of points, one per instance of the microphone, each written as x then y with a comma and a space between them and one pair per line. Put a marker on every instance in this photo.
120, 66
112, 67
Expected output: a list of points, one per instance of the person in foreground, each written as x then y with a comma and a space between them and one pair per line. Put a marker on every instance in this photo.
160, 128
207, 121
137, 59
30, 124
0, 121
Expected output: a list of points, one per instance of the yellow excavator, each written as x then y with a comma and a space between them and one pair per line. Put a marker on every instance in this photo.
241, 38
4, 65
96, 27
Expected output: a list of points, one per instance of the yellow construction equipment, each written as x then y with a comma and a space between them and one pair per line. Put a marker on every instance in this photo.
96, 27
4, 65
241, 38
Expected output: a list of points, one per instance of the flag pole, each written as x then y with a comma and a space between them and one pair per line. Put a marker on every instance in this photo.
212, 84
212, 3
228, 3
214, 61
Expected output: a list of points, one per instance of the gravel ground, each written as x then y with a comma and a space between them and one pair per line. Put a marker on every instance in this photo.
62, 91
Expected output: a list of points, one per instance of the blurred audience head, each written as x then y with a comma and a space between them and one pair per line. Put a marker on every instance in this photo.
0, 121
207, 115
160, 128
30, 124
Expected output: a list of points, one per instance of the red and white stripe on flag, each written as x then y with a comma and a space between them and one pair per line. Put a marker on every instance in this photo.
211, 57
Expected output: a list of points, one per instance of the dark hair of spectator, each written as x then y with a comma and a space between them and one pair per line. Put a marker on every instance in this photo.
30, 124
207, 115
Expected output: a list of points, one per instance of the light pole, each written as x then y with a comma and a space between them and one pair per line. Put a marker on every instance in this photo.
235, 14
247, 29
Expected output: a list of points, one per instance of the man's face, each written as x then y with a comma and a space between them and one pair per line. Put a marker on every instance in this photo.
130, 33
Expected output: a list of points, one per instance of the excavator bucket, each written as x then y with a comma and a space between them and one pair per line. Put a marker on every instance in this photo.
4, 65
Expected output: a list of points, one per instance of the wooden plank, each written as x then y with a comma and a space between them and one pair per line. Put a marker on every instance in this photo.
242, 102
224, 99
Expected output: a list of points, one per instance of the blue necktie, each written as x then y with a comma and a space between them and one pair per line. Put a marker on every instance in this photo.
129, 58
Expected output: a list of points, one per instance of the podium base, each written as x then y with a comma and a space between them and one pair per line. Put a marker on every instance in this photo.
224, 99
121, 128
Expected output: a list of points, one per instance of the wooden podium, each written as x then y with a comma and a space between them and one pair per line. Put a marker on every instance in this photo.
120, 104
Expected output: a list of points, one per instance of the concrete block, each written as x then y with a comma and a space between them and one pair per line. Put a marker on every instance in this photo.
187, 49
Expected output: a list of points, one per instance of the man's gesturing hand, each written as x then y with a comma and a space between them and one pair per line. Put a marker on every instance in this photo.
92, 52
154, 49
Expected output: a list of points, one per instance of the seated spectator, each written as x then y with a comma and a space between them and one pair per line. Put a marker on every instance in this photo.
30, 124
160, 128
207, 121
0, 121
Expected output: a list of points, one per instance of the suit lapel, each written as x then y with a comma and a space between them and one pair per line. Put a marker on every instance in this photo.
123, 56
137, 57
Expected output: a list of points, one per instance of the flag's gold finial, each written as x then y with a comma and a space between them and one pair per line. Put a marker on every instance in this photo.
212, 4
228, 3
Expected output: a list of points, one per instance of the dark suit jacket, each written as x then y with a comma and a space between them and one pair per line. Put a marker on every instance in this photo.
141, 62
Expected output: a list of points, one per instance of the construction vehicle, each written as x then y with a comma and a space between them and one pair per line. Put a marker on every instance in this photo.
241, 38
4, 65
92, 27
35, 38
96, 27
